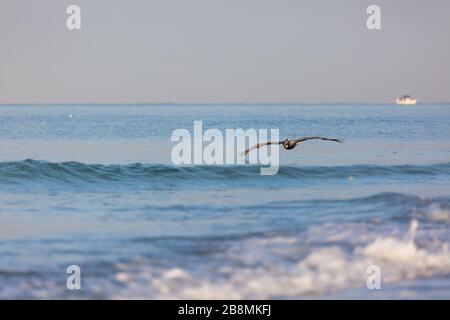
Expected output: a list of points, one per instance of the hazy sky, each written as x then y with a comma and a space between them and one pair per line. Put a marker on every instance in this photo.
141, 51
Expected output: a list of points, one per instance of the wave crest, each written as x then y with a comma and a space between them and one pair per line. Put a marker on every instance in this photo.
33, 170
318, 273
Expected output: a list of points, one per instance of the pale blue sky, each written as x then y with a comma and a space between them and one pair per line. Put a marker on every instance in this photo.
179, 51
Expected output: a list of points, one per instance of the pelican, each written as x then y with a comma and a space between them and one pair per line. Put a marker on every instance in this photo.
289, 144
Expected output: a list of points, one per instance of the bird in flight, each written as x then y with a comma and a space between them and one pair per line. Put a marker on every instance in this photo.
289, 144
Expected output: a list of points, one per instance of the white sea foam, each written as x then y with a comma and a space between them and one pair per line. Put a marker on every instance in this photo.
253, 272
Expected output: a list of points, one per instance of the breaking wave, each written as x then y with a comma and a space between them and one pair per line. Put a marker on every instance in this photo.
16, 172
322, 271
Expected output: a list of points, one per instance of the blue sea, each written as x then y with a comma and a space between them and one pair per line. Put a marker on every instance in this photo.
94, 186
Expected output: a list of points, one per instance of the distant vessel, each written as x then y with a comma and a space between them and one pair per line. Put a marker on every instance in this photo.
406, 100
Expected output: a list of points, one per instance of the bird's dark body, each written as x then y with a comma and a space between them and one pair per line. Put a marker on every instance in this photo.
289, 144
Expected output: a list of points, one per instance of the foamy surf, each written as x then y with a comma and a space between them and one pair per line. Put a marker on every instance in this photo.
321, 271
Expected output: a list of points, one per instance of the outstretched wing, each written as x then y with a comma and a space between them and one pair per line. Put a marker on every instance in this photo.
315, 138
259, 145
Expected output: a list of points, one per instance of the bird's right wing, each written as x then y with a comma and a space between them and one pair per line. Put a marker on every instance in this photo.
259, 145
299, 140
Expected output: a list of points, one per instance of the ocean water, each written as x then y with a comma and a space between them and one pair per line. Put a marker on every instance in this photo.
94, 186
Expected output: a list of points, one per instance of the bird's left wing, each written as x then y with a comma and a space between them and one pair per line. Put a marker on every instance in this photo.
259, 145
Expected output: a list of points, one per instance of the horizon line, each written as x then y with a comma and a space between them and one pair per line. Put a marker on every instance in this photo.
204, 103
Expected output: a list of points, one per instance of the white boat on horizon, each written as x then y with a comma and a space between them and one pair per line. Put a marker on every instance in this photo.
406, 100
